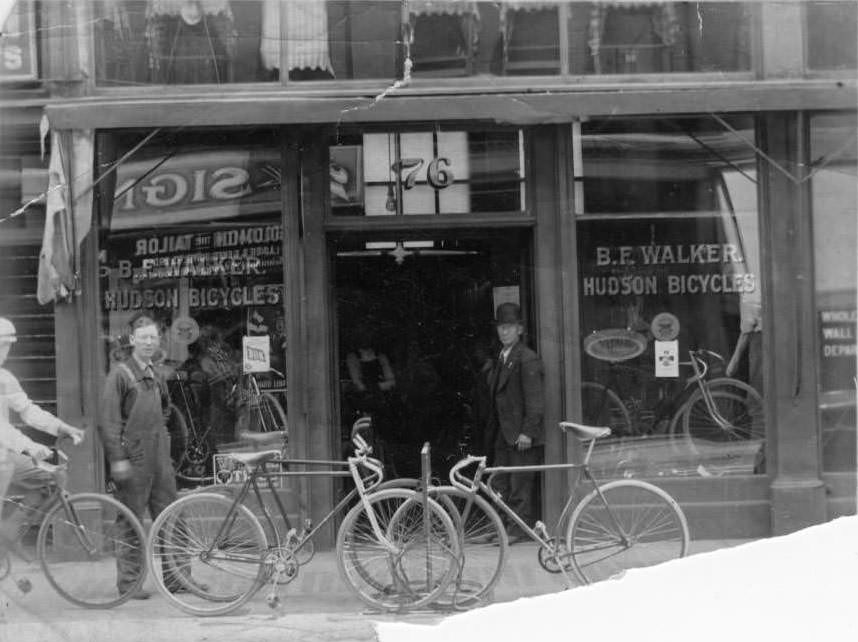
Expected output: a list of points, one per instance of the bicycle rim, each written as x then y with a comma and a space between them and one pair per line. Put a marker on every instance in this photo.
270, 414
603, 407
624, 524
419, 567
80, 550
737, 403
482, 547
219, 571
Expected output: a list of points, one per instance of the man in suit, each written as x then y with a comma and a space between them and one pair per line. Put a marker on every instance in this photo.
517, 411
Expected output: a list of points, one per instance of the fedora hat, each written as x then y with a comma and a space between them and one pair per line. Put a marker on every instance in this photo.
508, 313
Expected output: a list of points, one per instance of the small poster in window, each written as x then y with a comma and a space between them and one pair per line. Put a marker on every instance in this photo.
257, 353
667, 358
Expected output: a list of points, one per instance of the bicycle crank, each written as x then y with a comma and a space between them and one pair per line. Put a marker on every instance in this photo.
552, 557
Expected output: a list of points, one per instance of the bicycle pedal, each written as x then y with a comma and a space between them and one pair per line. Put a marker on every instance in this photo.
24, 585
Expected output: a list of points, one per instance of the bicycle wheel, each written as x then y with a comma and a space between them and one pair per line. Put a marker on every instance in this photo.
482, 547
738, 404
213, 551
624, 524
603, 407
416, 570
81, 549
267, 414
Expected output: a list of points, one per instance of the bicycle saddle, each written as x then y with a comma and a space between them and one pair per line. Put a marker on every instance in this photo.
252, 459
584, 432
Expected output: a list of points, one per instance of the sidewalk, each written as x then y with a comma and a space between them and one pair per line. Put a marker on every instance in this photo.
317, 605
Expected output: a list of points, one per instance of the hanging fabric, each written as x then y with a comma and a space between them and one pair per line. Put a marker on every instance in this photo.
306, 36
68, 215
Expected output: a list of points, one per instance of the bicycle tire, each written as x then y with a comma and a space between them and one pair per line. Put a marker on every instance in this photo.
78, 550
653, 530
601, 406
482, 547
736, 401
407, 579
182, 539
177, 425
270, 416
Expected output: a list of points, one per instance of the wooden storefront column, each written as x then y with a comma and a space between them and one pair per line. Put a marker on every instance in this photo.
553, 250
309, 342
793, 459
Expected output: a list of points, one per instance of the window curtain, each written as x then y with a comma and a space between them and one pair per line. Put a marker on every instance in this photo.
306, 35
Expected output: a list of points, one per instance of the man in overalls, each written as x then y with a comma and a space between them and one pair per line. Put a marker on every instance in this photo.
135, 438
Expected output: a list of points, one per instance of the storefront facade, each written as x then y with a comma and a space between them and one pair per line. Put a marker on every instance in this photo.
641, 198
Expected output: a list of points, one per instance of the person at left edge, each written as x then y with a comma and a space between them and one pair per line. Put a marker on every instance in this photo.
17, 451
133, 431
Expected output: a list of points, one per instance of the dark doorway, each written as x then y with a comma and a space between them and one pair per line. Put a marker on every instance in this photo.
427, 306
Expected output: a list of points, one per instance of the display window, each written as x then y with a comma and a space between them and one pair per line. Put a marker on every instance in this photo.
834, 201
669, 294
194, 239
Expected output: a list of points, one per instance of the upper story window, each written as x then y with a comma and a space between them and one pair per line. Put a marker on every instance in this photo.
427, 172
221, 41
832, 35
18, 42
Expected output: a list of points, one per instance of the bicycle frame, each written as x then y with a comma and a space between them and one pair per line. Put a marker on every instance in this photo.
700, 368
259, 472
56, 495
539, 532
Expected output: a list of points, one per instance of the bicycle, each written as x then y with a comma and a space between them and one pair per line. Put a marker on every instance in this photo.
617, 525
263, 412
395, 549
80, 538
721, 409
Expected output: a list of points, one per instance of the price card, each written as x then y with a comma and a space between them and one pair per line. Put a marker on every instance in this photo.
667, 358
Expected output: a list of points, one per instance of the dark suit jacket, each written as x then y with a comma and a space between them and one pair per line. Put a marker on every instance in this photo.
518, 395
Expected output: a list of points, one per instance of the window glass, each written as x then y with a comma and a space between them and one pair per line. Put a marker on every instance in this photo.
19, 61
427, 172
832, 35
670, 296
194, 238
222, 41
181, 42
835, 202
659, 37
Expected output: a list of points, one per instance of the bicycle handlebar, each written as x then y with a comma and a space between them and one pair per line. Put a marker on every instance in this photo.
57, 462
361, 447
458, 480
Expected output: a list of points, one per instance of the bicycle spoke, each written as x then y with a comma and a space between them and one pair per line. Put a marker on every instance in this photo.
626, 524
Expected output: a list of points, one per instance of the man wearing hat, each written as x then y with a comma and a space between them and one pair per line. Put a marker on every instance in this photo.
17, 451
516, 414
